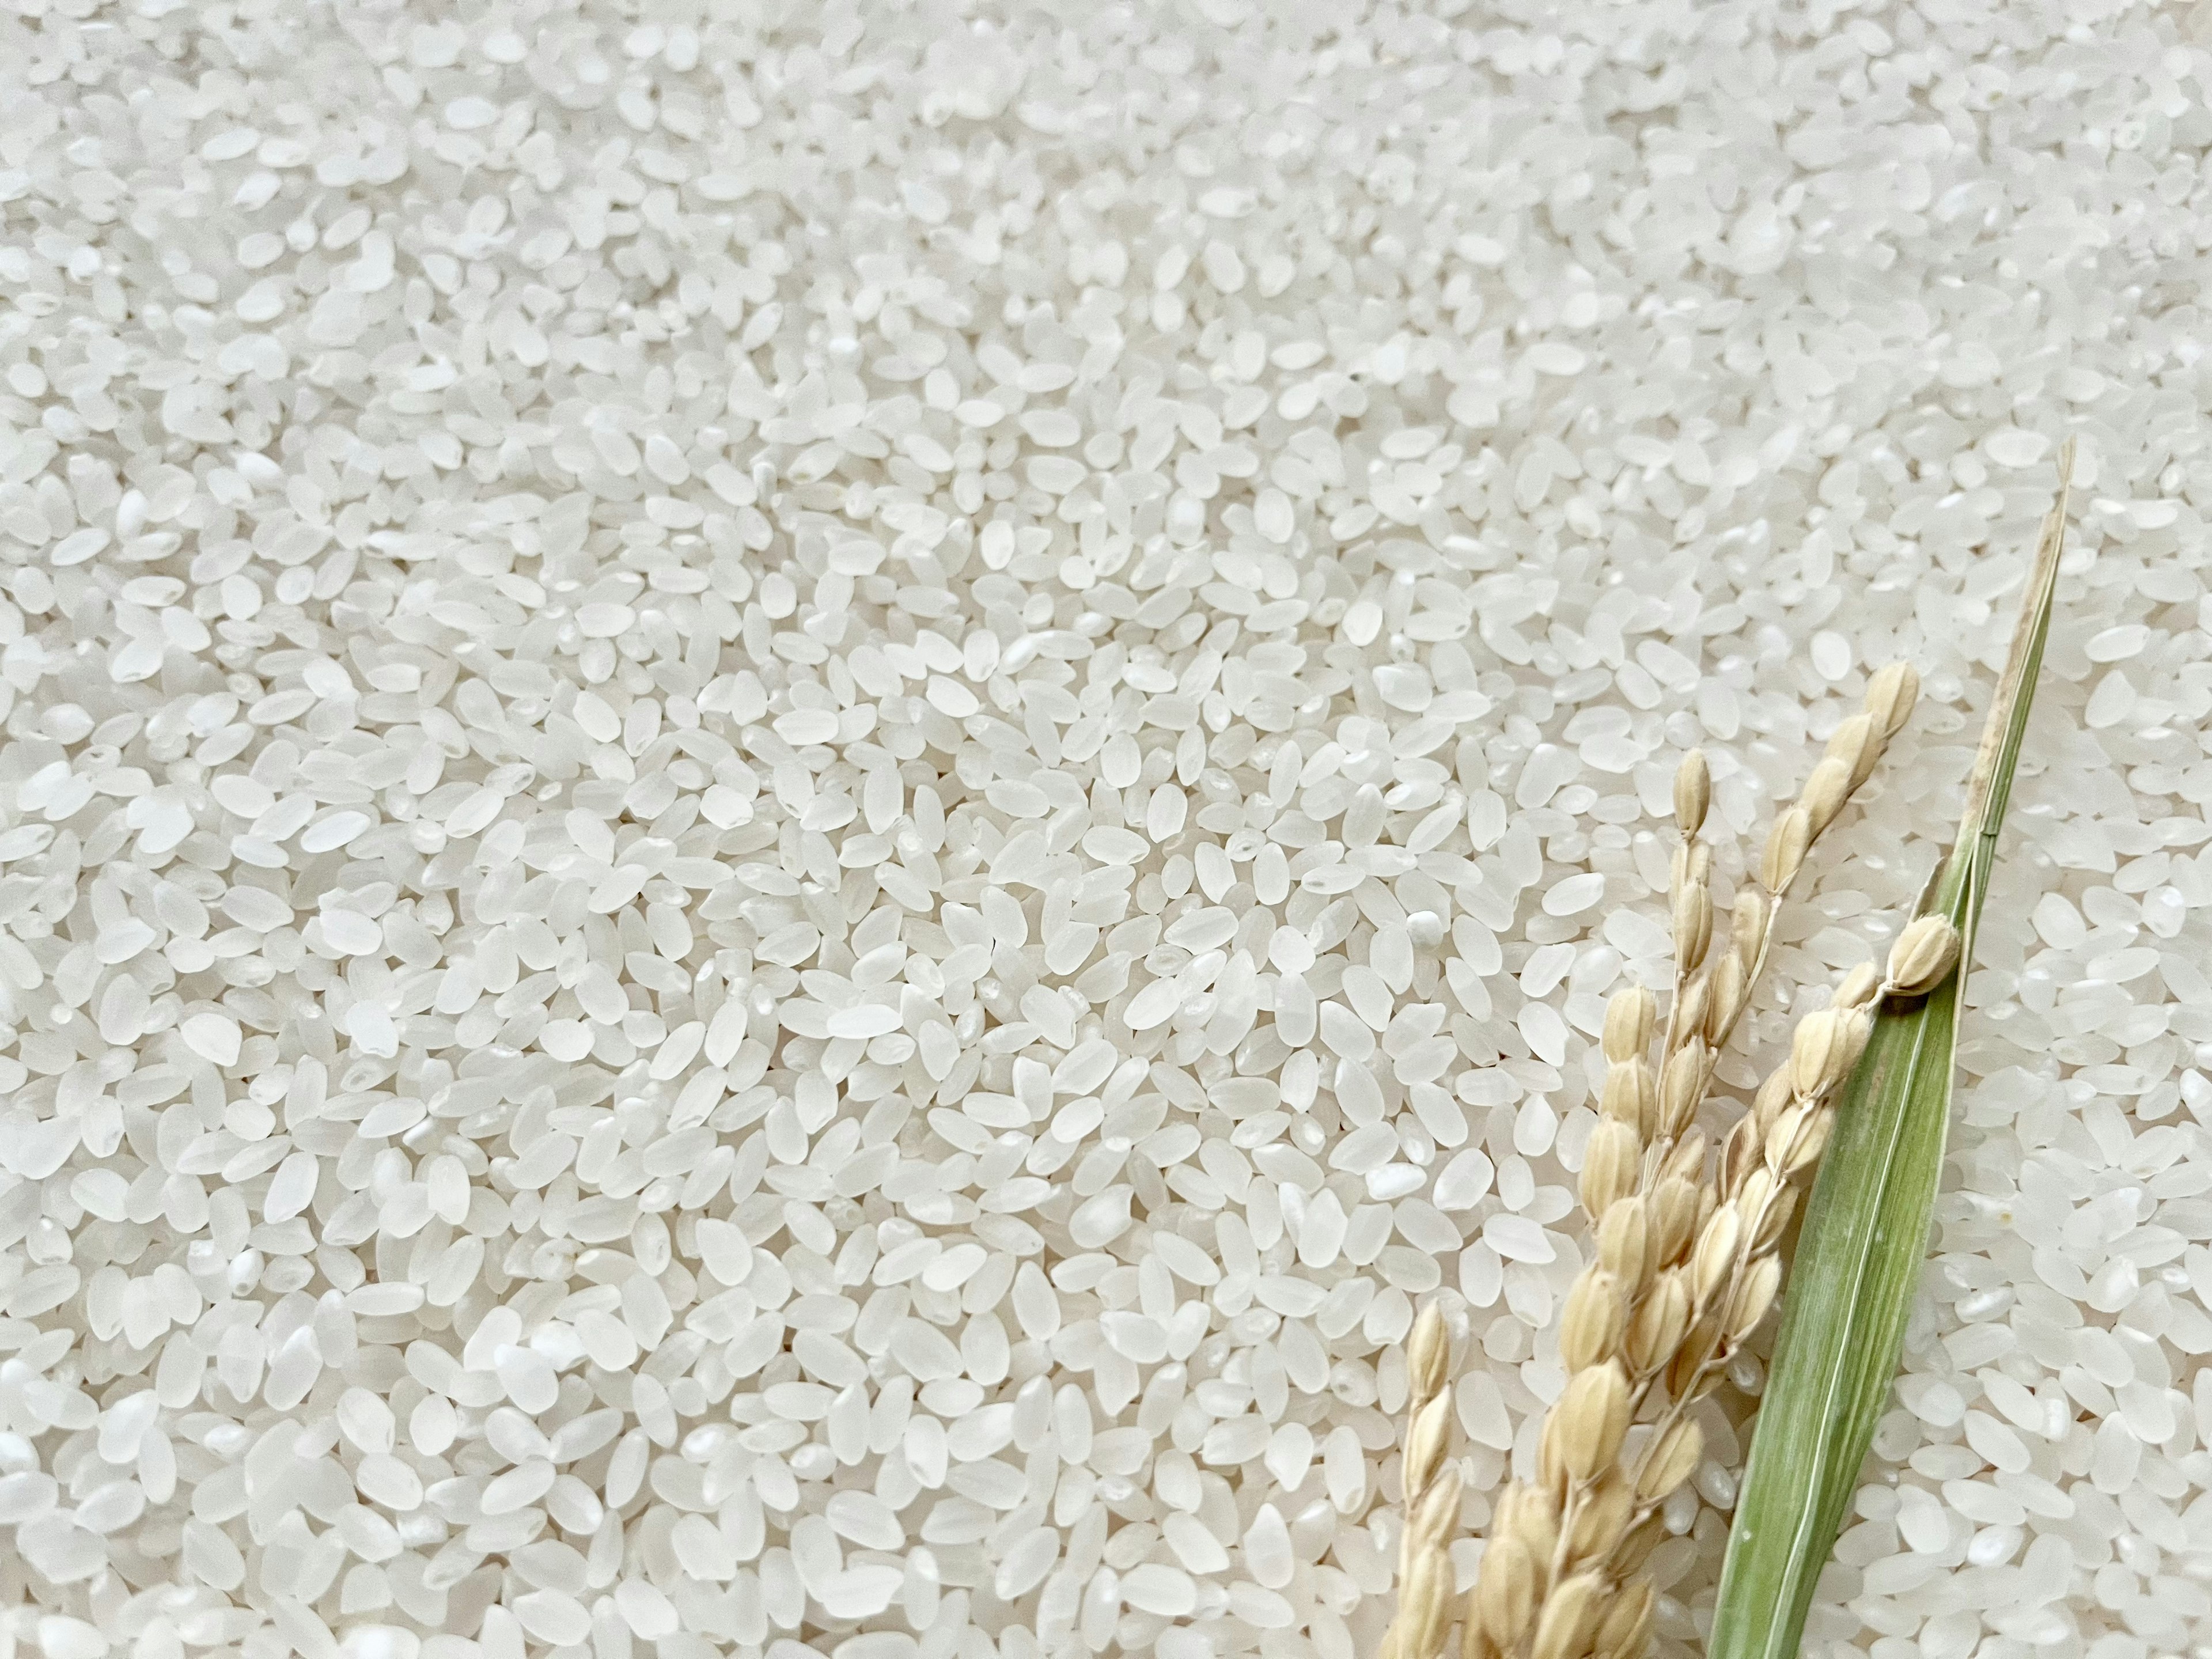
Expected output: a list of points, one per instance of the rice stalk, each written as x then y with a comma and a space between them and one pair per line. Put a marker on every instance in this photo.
1860, 1253
1686, 1266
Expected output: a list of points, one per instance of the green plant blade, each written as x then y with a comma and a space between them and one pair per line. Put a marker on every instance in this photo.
1865, 1235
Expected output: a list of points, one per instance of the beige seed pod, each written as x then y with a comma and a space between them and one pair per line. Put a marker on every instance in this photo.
1858, 1031
1774, 1219
1591, 1323
1427, 1441
1773, 1095
1593, 1418
1635, 1550
1674, 1217
1681, 1086
1693, 793
1687, 1159
1474, 1641
1550, 1461
1428, 1356
1437, 1624
1698, 1364
1804, 1147
1773, 1146
1570, 1613
1754, 1294
1922, 957
1691, 866
1741, 1150
1694, 925
1672, 1459
1624, 1243
1706, 1383
1859, 989
1424, 1604
1826, 792
1759, 1230
1714, 1258
1786, 845
1629, 1017
1505, 1589
1853, 1027
1601, 1522
1813, 1050
1535, 1520
1626, 1626
1694, 1360
1505, 1509
1890, 698
1697, 1004
1858, 745
1436, 1518
1656, 1330
1749, 917
1609, 1166
1630, 1096
1751, 1198
1726, 987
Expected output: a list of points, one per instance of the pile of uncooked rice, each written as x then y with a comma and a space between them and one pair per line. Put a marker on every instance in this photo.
801, 800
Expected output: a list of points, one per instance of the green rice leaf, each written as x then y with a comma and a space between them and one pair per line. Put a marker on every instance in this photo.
1865, 1235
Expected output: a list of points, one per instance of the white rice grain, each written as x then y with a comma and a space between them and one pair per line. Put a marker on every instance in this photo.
796, 812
